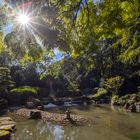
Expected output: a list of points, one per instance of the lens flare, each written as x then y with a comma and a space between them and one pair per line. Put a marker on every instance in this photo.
23, 19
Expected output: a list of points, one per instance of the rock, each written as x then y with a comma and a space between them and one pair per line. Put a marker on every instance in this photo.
6, 123
35, 115
30, 105
133, 98
4, 135
40, 108
7, 126
33, 103
137, 104
126, 106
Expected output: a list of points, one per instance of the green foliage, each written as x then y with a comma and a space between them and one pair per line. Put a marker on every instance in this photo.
21, 94
25, 89
101, 93
113, 84
5, 80
1, 42
114, 99
128, 98
100, 40
123, 100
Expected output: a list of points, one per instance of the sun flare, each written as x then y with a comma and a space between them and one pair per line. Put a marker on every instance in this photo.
23, 19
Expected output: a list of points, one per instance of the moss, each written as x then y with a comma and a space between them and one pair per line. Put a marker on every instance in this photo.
4, 133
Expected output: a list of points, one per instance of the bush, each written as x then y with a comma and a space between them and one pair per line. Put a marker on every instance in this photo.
113, 84
129, 98
114, 100
25, 89
124, 99
101, 93
21, 94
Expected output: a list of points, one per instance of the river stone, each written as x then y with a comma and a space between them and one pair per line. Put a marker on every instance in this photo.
4, 135
35, 115
30, 105
6, 123
7, 126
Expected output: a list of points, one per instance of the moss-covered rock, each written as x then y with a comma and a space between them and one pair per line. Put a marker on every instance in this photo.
6, 123
7, 126
4, 135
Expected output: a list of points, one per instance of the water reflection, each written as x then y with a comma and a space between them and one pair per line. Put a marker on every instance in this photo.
108, 125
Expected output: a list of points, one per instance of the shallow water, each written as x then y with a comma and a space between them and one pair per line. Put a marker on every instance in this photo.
109, 124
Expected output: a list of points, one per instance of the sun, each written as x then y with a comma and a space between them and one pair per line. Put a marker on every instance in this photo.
23, 19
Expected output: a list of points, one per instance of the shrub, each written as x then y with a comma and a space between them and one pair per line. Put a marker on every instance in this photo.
25, 89
3, 104
124, 99
21, 94
113, 84
101, 93
114, 99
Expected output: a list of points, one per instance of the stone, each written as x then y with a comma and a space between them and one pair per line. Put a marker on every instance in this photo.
33, 103
7, 126
137, 104
6, 123
35, 115
4, 135
40, 108
30, 105
126, 106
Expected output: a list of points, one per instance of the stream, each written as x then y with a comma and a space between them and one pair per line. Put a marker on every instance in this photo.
109, 124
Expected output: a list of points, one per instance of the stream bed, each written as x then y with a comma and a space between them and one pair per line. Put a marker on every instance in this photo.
108, 124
